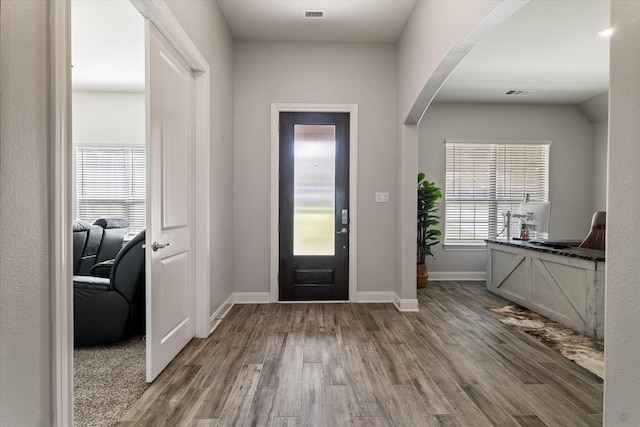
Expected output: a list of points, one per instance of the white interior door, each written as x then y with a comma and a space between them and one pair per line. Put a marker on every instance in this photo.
170, 286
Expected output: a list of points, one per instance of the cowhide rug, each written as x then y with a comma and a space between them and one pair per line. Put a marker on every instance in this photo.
586, 352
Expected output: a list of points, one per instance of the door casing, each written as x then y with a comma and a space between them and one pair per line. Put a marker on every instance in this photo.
352, 109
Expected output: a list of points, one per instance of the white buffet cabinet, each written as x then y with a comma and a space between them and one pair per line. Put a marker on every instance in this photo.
565, 285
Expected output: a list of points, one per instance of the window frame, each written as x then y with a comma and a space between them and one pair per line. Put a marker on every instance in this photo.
135, 195
494, 204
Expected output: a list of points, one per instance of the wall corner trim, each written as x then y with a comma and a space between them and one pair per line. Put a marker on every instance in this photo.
405, 305
220, 313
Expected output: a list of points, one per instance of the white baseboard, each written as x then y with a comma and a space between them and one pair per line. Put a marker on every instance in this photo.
338, 301
219, 314
368, 297
252, 297
386, 297
457, 275
405, 304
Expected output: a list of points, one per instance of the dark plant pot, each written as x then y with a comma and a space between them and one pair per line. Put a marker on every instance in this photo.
422, 275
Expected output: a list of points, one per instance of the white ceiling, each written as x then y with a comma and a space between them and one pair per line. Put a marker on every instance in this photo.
107, 46
345, 20
551, 47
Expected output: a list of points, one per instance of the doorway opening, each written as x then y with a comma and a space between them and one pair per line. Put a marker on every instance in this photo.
314, 206
109, 208
158, 15
345, 242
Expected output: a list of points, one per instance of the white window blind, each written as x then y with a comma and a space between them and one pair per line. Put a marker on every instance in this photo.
111, 182
484, 181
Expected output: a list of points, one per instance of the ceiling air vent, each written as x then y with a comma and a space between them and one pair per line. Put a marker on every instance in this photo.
314, 13
519, 92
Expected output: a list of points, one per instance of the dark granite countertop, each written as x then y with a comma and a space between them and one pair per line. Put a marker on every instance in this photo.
555, 247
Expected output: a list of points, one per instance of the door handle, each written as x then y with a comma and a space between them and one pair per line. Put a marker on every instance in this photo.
343, 231
155, 246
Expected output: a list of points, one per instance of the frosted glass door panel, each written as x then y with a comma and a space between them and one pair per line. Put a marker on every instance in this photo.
314, 189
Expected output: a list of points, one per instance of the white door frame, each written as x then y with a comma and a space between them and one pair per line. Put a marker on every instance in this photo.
352, 109
60, 210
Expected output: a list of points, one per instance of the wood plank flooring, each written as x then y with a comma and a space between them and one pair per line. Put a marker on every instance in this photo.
451, 364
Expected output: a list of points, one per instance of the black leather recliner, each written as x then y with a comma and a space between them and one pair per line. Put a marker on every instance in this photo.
103, 242
109, 310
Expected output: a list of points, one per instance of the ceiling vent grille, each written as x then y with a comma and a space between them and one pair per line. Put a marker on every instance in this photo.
314, 14
519, 92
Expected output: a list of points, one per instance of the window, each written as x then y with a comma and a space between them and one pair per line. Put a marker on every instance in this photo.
484, 180
111, 182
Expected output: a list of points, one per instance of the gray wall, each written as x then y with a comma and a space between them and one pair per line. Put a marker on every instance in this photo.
599, 182
570, 164
622, 346
105, 118
434, 39
596, 110
340, 73
204, 23
25, 295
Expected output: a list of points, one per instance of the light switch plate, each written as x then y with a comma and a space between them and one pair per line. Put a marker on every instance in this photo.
382, 197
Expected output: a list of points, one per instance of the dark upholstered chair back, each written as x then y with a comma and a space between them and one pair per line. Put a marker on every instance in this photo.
80, 235
103, 243
128, 272
113, 231
596, 237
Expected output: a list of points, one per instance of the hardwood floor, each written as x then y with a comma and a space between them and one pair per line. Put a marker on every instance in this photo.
451, 364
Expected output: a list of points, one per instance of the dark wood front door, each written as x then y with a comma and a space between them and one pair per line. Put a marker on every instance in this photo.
314, 206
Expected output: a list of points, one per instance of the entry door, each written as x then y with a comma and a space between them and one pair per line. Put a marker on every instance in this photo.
170, 286
314, 206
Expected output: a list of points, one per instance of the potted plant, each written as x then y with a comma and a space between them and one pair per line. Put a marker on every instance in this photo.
428, 196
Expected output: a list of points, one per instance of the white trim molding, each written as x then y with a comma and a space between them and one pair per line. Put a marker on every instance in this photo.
252, 298
352, 109
60, 212
405, 305
456, 275
159, 13
499, 141
379, 296
220, 313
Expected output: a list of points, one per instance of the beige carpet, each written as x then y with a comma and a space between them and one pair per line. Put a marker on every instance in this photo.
586, 352
108, 380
